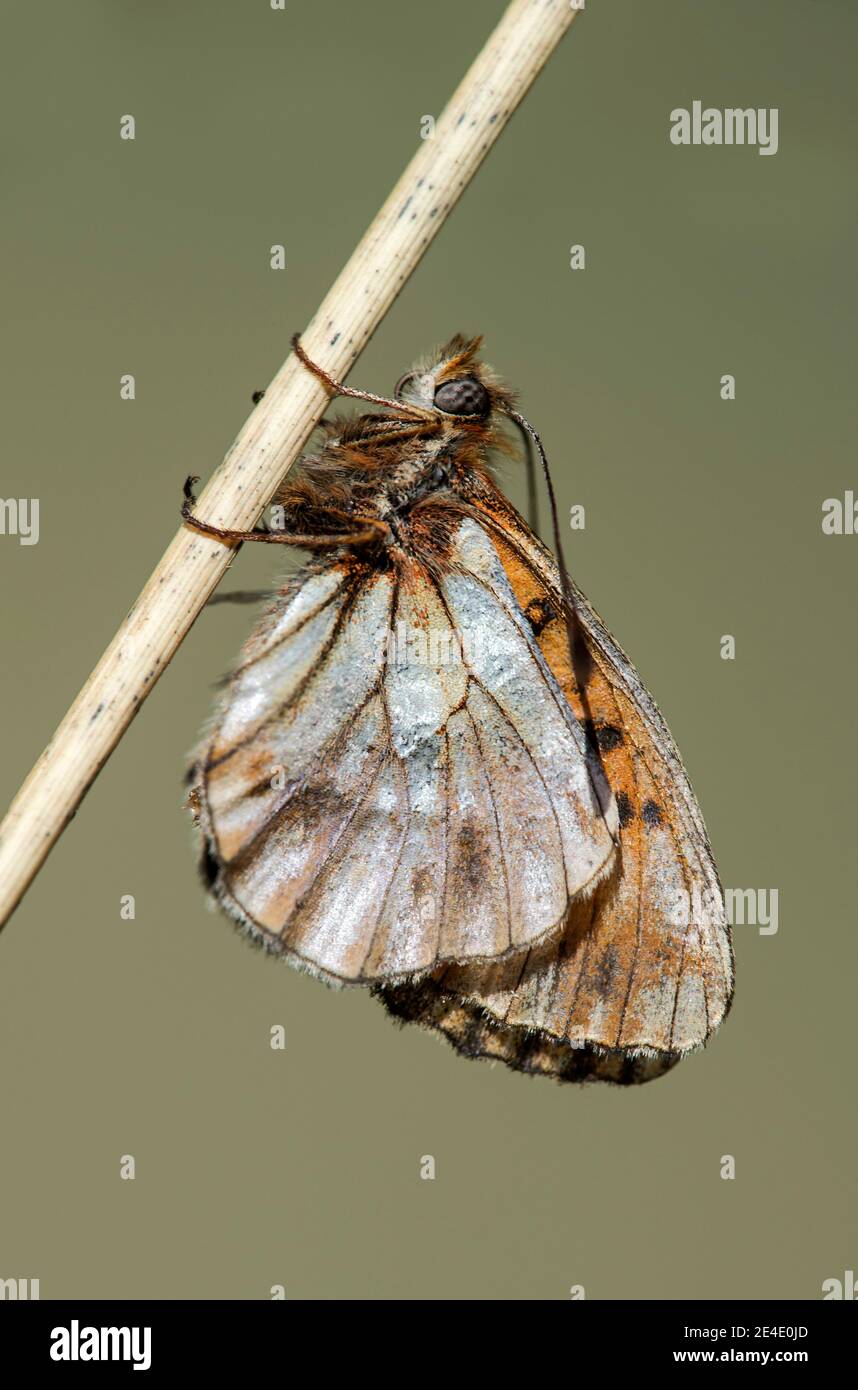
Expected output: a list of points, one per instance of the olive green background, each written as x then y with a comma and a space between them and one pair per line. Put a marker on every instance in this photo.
151, 1037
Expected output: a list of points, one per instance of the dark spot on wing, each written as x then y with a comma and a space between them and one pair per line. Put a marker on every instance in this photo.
603, 738
526, 1048
605, 972
471, 1041
314, 804
609, 737
651, 813
208, 867
630, 1072
473, 859
539, 613
422, 882
625, 810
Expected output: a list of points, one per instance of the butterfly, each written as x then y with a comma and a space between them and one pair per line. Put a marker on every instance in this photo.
433, 771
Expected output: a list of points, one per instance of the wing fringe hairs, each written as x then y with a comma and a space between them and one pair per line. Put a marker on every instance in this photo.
476, 1034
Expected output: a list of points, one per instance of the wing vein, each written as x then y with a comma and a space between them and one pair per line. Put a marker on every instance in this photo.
490, 790
295, 695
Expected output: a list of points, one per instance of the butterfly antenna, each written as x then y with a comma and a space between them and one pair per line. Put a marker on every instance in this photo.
530, 472
579, 652
339, 388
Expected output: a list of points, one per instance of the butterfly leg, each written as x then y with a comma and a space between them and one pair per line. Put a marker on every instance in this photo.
371, 529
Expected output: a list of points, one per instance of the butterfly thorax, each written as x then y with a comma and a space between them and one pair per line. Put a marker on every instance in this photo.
376, 468
411, 479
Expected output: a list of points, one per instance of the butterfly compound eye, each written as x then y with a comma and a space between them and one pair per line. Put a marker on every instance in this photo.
467, 396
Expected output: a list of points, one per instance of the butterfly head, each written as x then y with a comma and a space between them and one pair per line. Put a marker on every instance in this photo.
455, 383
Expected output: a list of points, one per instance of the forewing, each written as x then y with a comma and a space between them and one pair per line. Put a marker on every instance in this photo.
395, 780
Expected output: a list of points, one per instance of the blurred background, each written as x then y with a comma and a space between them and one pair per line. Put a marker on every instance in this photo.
150, 1037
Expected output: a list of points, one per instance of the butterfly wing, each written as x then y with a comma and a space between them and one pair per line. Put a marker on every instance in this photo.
395, 779
642, 972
